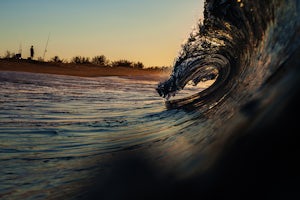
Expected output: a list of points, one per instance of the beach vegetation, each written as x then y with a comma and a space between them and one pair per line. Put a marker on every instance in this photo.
80, 60
56, 59
127, 63
122, 62
9, 55
100, 60
138, 65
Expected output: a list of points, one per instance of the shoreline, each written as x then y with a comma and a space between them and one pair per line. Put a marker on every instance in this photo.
82, 70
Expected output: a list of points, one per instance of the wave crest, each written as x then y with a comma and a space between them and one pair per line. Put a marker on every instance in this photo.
226, 47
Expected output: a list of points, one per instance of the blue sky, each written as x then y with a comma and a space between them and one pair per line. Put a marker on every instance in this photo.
150, 31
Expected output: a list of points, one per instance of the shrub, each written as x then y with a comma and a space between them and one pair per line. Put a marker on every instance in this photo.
8, 54
100, 60
123, 63
139, 65
80, 60
56, 59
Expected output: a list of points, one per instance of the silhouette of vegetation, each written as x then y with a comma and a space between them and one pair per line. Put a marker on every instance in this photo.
138, 65
127, 63
56, 59
100, 60
9, 55
80, 60
123, 63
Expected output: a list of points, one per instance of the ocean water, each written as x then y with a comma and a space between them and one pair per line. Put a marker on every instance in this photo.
234, 135
57, 131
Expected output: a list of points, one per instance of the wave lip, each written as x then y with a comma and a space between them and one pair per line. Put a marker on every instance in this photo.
221, 47
204, 56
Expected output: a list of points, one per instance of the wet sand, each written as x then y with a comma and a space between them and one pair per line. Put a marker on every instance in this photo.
83, 70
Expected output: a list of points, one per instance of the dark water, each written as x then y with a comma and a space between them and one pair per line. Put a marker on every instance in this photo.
113, 138
57, 132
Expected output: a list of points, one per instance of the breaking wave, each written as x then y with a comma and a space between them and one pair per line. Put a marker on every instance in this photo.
240, 44
66, 137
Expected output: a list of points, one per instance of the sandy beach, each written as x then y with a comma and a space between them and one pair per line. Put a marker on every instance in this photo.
83, 70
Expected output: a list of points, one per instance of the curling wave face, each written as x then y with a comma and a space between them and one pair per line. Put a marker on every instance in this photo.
240, 43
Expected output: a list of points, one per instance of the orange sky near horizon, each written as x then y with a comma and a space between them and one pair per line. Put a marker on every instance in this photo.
137, 30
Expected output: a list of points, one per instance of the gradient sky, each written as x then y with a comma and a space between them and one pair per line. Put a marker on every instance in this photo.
150, 31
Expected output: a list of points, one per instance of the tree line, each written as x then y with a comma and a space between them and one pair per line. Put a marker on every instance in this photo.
99, 60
